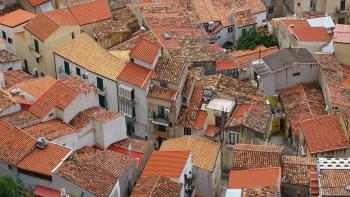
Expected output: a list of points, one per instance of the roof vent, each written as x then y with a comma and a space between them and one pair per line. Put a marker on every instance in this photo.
41, 142
166, 36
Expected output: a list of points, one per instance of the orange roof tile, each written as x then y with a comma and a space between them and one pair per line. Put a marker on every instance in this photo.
59, 95
240, 179
145, 50
14, 144
5, 100
168, 164
201, 119
239, 115
37, 2
16, 18
44, 160
156, 186
100, 114
166, 94
244, 58
13, 77
212, 131
135, 74
51, 20
225, 64
51, 129
84, 15
324, 133
37, 86
78, 84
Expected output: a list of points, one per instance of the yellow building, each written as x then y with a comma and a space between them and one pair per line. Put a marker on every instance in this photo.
337, 9
41, 36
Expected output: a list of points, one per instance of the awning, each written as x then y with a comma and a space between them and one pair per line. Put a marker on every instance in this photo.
46, 192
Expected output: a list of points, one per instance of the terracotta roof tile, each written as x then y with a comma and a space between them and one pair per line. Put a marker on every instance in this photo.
239, 115
141, 146
247, 156
50, 130
244, 58
85, 52
16, 145
168, 164
341, 34
296, 169
21, 119
225, 64
271, 191
14, 77
201, 119
78, 84
145, 50
169, 70
59, 96
324, 134
99, 113
156, 186
259, 118
6, 56
83, 14
244, 18
212, 131
34, 86
37, 2
188, 84
44, 161
51, 20
240, 179
136, 75
256, 6
163, 93
204, 152
16, 18
334, 181
102, 168
6, 100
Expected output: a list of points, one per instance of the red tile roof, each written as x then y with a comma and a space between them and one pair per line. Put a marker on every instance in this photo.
51, 20
166, 94
324, 133
225, 64
296, 169
304, 32
13, 77
91, 12
85, 117
46, 192
145, 50
44, 161
78, 84
255, 177
59, 95
135, 75
6, 100
16, 18
156, 186
239, 115
212, 131
14, 144
201, 119
244, 58
168, 164
37, 2
342, 34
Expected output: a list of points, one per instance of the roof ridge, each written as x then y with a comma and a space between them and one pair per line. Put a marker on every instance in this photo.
154, 186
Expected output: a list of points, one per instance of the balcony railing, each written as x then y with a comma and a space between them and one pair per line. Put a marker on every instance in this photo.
161, 120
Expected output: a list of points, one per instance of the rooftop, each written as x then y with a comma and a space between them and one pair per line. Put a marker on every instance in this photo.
163, 93
7, 55
240, 179
16, 18
140, 146
201, 119
239, 115
85, 52
247, 156
302, 102
136, 75
21, 119
95, 113
44, 161
78, 84
156, 186
58, 96
37, 2
204, 152
340, 90
296, 169
5, 100
145, 50
16, 145
169, 70
52, 20
324, 133
244, 18
13, 77
168, 164
342, 34
82, 13
288, 57
102, 168
334, 181
271, 191
244, 58
212, 131
50, 130
72, 3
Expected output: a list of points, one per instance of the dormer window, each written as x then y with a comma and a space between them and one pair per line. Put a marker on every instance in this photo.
163, 85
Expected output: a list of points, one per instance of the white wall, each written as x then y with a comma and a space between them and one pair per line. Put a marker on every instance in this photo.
259, 18
13, 65
2, 80
225, 36
59, 182
10, 33
10, 110
146, 64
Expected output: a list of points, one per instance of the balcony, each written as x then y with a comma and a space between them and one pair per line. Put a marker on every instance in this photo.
342, 9
164, 134
160, 120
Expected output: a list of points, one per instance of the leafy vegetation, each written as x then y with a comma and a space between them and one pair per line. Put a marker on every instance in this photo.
251, 39
8, 187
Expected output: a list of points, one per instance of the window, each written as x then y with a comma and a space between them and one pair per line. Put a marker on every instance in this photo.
66, 68
161, 128
77, 70
163, 85
296, 74
161, 112
37, 60
10, 68
100, 83
26, 66
4, 35
271, 10
230, 30
341, 20
187, 131
36, 46
73, 35
298, 4
342, 5
9, 40
233, 138
42, 74
243, 31
132, 59
184, 99
102, 101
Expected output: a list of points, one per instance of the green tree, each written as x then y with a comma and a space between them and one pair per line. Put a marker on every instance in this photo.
252, 38
8, 187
